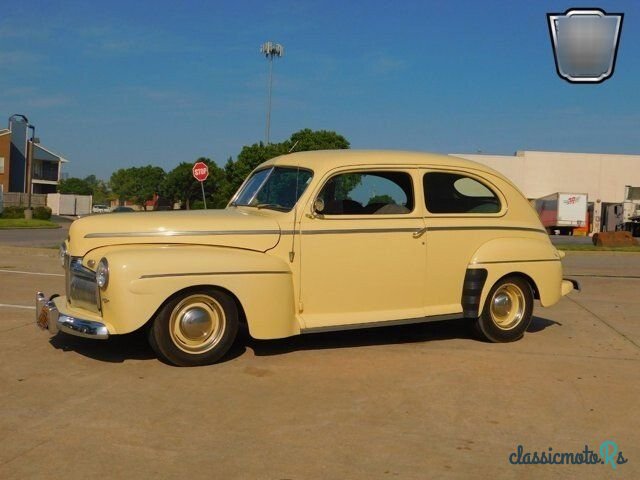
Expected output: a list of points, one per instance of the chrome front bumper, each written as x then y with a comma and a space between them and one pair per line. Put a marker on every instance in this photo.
49, 318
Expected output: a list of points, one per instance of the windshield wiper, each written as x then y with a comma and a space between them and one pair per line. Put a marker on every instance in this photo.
272, 206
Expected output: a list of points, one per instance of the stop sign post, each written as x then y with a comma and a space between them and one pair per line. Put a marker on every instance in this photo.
201, 173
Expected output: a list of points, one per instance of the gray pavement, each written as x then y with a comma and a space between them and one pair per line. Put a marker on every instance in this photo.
411, 402
37, 237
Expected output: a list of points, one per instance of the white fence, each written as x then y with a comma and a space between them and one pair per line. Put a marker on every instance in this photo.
62, 204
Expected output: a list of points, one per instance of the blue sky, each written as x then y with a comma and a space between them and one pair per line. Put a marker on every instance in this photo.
115, 84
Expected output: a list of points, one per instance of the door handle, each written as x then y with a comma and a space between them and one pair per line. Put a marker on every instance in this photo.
419, 233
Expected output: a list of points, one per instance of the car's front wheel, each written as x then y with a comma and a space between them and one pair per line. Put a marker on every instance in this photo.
195, 328
507, 311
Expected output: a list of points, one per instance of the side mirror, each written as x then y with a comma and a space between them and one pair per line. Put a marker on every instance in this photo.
318, 205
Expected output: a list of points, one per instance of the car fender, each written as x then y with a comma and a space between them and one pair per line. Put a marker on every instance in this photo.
535, 259
143, 277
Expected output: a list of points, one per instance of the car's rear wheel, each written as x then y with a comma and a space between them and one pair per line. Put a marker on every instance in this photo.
195, 328
507, 311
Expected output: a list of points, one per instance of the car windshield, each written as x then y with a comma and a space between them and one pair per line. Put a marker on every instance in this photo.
276, 188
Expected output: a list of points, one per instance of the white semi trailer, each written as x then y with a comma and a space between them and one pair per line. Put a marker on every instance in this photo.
562, 212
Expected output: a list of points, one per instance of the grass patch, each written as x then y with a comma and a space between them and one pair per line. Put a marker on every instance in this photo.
592, 248
6, 223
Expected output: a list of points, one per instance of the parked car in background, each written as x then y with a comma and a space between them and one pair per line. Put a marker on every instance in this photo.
312, 242
122, 209
100, 209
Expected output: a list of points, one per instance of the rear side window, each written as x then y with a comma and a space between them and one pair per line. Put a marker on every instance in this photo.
456, 193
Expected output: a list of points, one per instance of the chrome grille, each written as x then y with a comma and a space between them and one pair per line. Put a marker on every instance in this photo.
82, 290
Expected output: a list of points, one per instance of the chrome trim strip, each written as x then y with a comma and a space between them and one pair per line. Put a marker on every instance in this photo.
193, 274
410, 230
525, 229
186, 233
518, 261
360, 230
384, 323
196, 233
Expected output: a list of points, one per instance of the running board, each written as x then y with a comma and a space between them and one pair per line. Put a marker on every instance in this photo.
384, 323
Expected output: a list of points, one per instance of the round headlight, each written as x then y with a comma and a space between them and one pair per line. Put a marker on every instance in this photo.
62, 252
102, 273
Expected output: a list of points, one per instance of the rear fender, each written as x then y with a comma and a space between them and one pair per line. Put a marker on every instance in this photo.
536, 260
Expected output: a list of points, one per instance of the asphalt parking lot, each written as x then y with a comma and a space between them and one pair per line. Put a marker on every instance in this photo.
418, 401
45, 237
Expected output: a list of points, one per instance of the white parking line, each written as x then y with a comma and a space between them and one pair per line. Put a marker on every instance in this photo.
8, 305
32, 273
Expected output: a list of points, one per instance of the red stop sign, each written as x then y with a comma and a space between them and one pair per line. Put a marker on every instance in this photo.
200, 171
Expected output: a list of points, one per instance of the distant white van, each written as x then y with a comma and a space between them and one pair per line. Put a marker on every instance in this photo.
100, 209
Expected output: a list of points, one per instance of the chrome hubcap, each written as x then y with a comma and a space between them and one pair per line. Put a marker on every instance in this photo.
507, 306
197, 324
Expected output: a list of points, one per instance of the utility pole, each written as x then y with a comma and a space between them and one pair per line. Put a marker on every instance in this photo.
270, 50
30, 145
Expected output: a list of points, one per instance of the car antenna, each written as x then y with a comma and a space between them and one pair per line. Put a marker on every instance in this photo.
292, 253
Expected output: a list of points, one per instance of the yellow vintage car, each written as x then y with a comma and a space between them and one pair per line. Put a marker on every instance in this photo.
312, 242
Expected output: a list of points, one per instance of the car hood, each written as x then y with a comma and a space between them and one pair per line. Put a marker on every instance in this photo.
231, 227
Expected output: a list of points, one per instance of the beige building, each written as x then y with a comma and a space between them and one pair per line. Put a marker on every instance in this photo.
601, 176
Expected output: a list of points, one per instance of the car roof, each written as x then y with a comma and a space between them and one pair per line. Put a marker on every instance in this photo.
324, 160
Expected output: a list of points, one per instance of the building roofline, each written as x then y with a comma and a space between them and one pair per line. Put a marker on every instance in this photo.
63, 160
4, 131
523, 152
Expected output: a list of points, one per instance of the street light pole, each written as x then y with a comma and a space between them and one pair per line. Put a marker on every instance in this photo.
30, 145
270, 50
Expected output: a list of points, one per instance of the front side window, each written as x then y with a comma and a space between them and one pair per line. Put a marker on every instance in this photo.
456, 193
276, 188
367, 193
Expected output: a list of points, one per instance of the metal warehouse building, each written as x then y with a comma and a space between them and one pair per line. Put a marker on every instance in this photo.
601, 176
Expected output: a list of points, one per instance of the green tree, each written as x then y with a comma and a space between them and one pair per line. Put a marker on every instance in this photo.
248, 159
121, 183
317, 140
381, 199
75, 186
252, 156
179, 185
99, 190
137, 184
